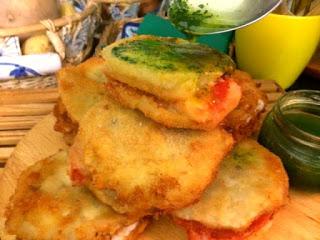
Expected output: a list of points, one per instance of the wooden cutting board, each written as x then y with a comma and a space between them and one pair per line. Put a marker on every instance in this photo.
299, 220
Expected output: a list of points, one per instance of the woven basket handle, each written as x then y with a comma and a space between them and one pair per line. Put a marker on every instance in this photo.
30, 29
54, 38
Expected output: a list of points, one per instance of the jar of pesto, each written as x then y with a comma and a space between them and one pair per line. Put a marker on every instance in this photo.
292, 131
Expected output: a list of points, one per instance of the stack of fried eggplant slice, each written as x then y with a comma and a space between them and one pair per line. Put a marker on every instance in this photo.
156, 127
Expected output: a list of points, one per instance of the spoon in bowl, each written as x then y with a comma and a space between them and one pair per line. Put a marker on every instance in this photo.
201, 17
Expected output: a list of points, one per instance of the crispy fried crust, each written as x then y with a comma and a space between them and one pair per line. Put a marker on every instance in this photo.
192, 77
158, 110
187, 67
80, 88
47, 206
251, 183
138, 166
198, 231
64, 123
241, 122
246, 118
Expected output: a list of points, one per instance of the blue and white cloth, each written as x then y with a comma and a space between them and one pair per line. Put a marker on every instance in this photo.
130, 29
10, 46
124, 11
29, 65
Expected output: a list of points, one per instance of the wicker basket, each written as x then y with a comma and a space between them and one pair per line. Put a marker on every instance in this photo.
64, 34
112, 31
71, 36
59, 31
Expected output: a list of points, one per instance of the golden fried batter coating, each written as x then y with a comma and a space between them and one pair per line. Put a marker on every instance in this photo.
241, 122
80, 88
158, 110
169, 68
246, 119
64, 123
251, 185
46, 206
138, 166
192, 79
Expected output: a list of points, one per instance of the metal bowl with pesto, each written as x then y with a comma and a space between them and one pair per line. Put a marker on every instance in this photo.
199, 17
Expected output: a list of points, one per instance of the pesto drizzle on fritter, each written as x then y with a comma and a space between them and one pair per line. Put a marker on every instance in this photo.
172, 55
243, 157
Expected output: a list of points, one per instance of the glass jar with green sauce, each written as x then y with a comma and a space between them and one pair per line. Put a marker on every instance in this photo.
292, 131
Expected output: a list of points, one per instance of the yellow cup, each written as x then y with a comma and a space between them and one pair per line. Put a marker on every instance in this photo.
278, 47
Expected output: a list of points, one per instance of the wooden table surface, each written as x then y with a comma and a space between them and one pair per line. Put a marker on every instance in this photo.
20, 110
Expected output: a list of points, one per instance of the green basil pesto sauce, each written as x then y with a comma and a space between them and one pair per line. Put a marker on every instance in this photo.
243, 156
307, 122
198, 20
184, 17
172, 56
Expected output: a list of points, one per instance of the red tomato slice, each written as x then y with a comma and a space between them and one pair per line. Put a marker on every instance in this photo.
78, 173
197, 231
224, 97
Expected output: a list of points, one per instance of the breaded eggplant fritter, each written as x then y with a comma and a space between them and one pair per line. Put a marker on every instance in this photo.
241, 122
152, 107
140, 167
246, 119
192, 80
250, 187
46, 206
64, 123
80, 88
